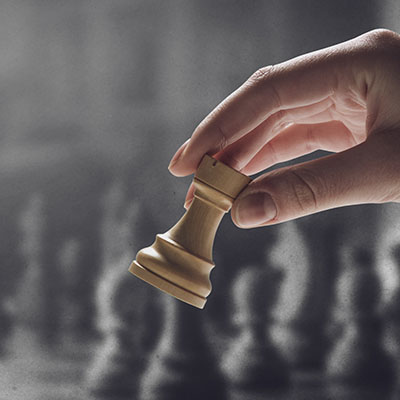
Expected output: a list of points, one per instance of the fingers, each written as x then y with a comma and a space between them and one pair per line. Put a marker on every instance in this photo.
298, 140
366, 173
293, 142
299, 82
239, 154
178, 153
189, 196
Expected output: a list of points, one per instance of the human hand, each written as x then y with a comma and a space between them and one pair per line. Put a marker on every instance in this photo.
343, 99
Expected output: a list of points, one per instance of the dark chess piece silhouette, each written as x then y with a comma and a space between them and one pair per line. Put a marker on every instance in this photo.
358, 356
183, 365
252, 361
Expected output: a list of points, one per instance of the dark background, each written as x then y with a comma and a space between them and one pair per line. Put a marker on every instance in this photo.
95, 97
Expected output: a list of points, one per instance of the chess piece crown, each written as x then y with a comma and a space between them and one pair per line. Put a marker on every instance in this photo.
179, 262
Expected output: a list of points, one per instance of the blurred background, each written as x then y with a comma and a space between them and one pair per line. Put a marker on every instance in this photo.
95, 97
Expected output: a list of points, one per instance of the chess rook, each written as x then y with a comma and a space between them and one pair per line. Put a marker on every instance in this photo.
180, 261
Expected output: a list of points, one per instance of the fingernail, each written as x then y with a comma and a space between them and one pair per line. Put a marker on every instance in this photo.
187, 204
254, 210
178, 154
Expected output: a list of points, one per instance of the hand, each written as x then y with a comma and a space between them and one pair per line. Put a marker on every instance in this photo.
343, 99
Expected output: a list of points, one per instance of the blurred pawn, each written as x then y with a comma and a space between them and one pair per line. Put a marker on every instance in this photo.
129, 312
358, 356
252, 362
392, 308
392, 319
72, 337
183, 365
32, 306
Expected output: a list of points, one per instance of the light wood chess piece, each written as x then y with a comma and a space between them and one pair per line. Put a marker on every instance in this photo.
180, 261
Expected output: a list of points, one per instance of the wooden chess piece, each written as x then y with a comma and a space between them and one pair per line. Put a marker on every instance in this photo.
252, 362
180, 261
358, 356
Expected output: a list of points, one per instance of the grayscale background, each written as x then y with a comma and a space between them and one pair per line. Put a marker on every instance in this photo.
95, 98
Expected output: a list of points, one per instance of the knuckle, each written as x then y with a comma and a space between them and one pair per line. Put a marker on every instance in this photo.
305, 188
230, 159
212, 125
264, 77
223, 139
382, 37
261, 75
384, 44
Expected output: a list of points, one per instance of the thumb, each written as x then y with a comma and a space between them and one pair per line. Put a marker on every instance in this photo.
367, 173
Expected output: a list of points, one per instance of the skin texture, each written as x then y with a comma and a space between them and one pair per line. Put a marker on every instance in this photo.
344, 99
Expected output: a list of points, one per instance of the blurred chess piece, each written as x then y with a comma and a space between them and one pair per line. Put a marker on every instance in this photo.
253, 362
358, 356
70, 304
307, 253
128, 320
128, 312
180, 261
392, 306
183, 365
392, 319
31, 302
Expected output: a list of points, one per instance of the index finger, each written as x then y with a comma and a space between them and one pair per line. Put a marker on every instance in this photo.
298, 82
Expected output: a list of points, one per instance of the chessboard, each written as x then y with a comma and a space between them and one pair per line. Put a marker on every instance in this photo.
296, 313
30, 372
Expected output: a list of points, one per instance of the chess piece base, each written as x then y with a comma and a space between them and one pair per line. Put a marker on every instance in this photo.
166, 286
